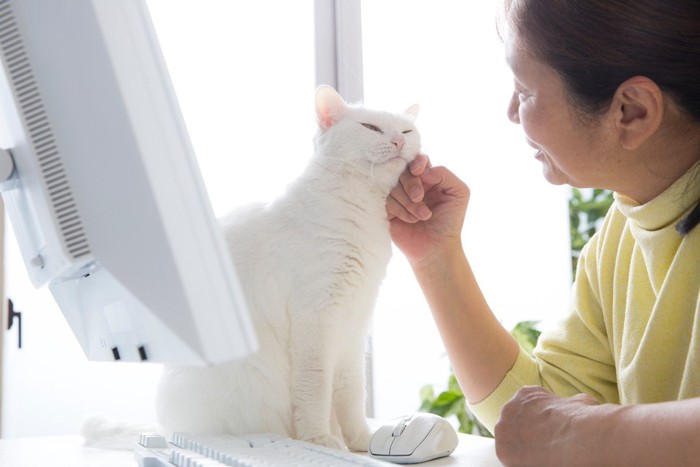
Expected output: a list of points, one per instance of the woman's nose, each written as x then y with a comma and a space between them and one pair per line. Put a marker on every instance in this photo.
514, 108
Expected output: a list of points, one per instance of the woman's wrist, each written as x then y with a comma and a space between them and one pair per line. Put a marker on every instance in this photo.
439, 258
596, 436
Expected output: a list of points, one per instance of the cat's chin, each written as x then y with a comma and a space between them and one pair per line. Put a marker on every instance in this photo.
390, 170
398, 164
396, 161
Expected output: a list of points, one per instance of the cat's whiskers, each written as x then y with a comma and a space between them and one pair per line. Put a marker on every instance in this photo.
372, 175
333, 169
347, 167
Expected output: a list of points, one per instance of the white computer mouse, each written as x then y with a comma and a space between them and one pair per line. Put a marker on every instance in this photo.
416, 438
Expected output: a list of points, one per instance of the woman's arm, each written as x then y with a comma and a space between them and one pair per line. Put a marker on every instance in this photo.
539, 428
481, 350
431, 241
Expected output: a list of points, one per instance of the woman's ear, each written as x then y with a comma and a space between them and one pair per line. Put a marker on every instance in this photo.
637, 110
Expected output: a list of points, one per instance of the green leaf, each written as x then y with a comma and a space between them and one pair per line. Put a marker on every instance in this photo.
427, 393
446, 398
453, 385
526, 334
586, 211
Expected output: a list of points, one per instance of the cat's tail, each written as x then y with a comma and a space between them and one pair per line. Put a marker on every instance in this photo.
100, 431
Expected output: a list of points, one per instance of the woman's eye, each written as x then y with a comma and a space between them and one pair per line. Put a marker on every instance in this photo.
522, 95
369, 126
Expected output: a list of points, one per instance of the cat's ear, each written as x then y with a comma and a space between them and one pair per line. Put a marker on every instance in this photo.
412, 112
330, 106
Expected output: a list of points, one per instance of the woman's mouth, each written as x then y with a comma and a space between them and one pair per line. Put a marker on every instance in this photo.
538, 154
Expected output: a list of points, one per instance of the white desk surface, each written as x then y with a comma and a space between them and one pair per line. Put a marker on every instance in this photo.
68, 451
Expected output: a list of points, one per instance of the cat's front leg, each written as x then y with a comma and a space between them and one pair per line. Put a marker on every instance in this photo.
311, 388
349, 403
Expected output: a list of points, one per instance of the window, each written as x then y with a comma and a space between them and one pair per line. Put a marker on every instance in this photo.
244, 76
446, 56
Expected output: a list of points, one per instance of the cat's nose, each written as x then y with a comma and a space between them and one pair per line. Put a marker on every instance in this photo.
398, 141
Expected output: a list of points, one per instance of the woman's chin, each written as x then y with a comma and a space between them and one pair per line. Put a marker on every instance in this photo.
552, 174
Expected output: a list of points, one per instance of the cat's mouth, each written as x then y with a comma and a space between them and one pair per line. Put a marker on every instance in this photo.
394, 163
396, 158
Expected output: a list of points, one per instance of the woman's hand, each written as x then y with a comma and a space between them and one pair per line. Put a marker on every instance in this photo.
539, 428
426, 210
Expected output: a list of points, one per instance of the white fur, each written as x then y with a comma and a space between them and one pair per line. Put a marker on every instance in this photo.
311, 264
100, 431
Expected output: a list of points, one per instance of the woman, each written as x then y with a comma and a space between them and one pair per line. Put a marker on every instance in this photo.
606, 92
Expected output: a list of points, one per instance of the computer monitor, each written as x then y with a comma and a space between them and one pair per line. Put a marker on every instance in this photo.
105, 195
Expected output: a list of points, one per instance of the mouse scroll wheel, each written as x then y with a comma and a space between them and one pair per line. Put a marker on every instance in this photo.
398, 429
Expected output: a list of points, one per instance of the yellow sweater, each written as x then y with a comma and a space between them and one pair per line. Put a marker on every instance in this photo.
633, 333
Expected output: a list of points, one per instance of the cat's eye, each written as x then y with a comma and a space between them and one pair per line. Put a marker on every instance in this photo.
406, 131
369, 126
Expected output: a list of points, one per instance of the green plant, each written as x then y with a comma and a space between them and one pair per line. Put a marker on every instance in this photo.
587, 208
451, 401
526, 333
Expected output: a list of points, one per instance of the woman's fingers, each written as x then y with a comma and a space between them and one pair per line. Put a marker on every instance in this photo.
397, 209
406, 198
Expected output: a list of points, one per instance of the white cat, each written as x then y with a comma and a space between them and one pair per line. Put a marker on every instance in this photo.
311, 264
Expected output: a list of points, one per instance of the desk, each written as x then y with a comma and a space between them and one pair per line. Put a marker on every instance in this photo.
472, 451
68, 451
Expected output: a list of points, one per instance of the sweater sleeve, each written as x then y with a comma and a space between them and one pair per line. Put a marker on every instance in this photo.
572, 357
524, 373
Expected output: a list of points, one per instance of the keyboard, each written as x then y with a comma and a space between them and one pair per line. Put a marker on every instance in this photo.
184, 450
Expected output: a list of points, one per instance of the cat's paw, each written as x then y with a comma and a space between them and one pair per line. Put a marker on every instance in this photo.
360, 442
329, 441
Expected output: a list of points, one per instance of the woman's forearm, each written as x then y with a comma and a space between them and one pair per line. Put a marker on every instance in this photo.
539, 428
481, 351
664, 433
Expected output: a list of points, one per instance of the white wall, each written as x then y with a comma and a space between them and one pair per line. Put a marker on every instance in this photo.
49, 387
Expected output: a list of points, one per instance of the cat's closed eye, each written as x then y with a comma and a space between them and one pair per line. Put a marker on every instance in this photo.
369, 126
406, 131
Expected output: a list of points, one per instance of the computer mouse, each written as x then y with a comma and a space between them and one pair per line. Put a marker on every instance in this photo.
416, 438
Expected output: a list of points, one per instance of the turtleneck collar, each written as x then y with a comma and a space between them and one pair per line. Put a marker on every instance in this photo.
666, 209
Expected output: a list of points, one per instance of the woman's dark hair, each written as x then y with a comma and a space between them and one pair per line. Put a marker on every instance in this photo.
595, 45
